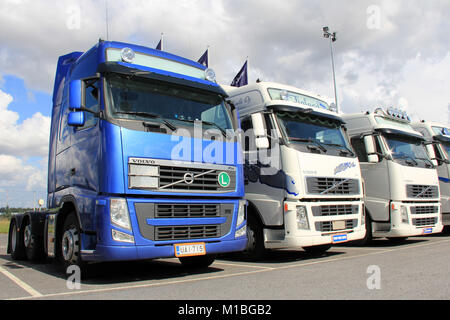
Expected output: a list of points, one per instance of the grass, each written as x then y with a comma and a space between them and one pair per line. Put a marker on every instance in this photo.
4, 225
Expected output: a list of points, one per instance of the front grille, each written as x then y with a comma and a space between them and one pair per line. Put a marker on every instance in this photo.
424, 221
334, 210
187, 210
206, 181
327, 226
330, 185
162, 221
164, 175
424, 209
421, 191
186, 232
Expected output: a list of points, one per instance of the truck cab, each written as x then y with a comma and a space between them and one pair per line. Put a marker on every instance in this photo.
438, 138
140, 164
401, 183
302, 179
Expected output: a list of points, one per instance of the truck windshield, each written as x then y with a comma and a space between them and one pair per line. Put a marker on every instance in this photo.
314, 132
138, 99
407, 149
446, 147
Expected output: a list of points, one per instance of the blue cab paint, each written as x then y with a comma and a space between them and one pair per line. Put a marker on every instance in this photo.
89, 163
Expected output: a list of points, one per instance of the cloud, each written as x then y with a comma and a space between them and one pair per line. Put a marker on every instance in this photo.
27, 139
23, 154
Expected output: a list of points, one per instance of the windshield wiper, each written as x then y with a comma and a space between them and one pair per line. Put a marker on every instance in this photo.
149, 115
320, 145
207, 123
428, 162
343, 148
405, 157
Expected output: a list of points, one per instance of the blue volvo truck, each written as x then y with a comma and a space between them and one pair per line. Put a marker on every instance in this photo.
142, 163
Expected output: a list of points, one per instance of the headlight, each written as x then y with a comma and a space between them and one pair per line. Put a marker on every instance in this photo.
119, 213
241, 213
404, 214
302, 218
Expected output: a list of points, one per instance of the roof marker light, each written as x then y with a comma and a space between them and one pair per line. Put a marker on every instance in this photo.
210, 75
127, 55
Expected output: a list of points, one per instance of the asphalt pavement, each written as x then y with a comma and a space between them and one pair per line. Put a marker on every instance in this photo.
416, 269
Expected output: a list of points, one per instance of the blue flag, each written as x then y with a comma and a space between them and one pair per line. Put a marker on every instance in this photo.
160, 45
204, 59
241, 78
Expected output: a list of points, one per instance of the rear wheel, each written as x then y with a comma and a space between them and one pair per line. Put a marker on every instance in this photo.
198, 261
34, 244
17, 248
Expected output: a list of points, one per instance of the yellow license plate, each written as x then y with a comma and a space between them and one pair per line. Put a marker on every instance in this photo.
189, 249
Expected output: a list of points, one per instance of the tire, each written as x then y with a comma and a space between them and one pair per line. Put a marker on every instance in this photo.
15, 240
317, 249
255, 241
198, 262
33, 243
398, 240
70, 244
368, 237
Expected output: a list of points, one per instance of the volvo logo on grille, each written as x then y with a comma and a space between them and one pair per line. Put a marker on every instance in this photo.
188, 177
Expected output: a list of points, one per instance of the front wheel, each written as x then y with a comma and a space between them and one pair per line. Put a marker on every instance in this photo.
317, 249
198, 261
70, 243
255, 249
398, 240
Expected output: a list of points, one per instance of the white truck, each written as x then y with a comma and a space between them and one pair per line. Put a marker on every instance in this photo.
401, 183
303, 181
438, 135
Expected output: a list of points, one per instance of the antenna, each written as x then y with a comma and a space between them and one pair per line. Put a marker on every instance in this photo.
107, 21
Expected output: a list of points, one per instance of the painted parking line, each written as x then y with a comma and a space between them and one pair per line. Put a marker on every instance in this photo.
34, 293
139, 286
260, 269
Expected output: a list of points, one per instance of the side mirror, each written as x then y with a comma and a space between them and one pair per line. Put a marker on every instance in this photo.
372, 157
259, 130
431, 154
75, 94
262, 143
76, 119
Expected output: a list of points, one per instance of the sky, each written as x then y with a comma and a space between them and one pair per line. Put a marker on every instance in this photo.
387, 53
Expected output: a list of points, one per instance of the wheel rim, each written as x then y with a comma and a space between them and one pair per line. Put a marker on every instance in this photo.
27, 236
69, 245
13, 238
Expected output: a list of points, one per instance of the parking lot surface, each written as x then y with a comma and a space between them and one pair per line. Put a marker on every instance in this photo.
416, 269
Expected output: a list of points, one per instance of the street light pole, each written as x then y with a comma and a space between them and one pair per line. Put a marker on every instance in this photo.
332, 37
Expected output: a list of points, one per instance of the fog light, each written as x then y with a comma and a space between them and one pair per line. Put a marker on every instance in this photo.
302, 218
121, 236
241, 232
241, 213
404, 214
